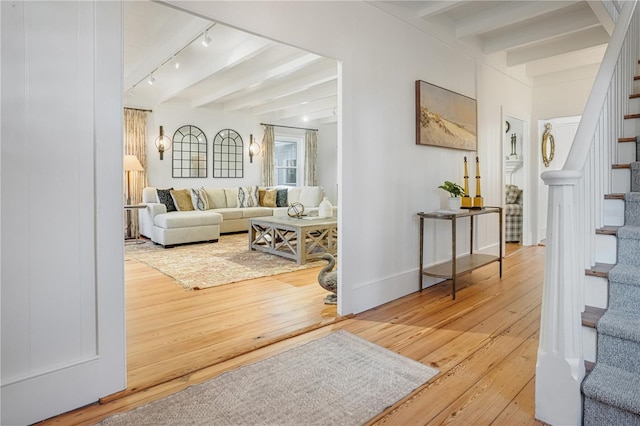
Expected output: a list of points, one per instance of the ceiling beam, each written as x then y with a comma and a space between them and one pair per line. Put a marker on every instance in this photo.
318, 73
570, 19
297, 99
259, 76
603, 15
310, 108
506, 13
568, 43
201, 71
434, 8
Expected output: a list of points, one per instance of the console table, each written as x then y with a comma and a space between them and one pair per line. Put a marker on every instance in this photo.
458, 265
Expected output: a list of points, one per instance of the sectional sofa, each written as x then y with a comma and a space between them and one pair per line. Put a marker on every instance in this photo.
179, 216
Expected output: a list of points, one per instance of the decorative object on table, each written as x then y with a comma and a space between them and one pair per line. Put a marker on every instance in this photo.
478, 202
131, 164
163, 143
189, 152
228, 154
466, 199
445, 118
328, 279
548, 145
455, 193
310, 384
513, 154
254, 148
325, 209
295, 210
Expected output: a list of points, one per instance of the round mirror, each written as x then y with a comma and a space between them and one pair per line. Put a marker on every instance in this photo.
548, 145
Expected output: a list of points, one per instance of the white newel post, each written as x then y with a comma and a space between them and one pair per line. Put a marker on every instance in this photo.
560, 365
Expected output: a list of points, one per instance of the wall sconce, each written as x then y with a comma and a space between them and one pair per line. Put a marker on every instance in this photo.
163, 143
254, 148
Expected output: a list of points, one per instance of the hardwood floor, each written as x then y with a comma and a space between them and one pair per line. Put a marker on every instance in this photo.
484, 343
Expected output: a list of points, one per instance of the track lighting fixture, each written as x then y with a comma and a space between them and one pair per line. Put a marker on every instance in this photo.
206, 39
151, 80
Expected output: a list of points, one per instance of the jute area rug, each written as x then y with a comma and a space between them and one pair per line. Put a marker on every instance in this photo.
204, 265
340, 379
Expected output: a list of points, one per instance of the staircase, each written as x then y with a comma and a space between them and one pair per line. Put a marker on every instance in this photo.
612, 389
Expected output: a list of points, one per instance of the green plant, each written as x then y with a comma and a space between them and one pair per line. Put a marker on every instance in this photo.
452, 188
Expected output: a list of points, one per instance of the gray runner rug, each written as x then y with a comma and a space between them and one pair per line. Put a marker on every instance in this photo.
339, 379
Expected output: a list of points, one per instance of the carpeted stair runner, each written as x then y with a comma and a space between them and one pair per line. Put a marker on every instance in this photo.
612, 389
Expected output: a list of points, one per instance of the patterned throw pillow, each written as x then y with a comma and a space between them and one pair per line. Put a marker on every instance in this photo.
199, 199
248, 196
164, 196
182, 199
269, 199
511, 194
281, 198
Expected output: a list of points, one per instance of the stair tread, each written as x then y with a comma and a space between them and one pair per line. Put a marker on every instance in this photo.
600, 270
627, 139
625, 274
616, 196
613, 386
621, 166
634, 95
592, 315
608, 230
631, 116
623, 325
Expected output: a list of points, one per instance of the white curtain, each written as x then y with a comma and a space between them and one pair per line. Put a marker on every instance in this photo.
135, 143
268, 157
311, 158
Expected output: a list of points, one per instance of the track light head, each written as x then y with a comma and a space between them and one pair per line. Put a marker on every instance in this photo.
151, 80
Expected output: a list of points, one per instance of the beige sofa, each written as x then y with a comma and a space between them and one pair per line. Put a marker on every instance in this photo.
222, 214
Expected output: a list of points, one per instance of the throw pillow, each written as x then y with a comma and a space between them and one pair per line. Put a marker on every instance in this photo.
182, 199
248, 196
511, 194
269, 199
164, 197
281, 198
261, 192
199, 199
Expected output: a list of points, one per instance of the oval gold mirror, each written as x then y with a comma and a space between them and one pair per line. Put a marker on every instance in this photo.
548, 145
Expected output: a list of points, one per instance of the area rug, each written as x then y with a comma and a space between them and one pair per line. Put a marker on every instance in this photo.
340, 379
204, 265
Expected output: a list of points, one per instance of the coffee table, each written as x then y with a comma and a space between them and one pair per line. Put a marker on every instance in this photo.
298, 239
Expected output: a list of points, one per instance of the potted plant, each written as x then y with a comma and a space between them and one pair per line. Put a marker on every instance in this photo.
455, 192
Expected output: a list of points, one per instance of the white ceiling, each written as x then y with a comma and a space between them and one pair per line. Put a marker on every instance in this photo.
242, 72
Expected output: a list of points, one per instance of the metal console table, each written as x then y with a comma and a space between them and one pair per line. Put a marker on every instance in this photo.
458, 266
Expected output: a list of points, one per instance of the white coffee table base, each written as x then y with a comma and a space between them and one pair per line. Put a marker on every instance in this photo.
297, 239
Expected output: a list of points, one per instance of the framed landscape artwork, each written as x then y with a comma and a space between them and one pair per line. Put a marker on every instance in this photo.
445, 118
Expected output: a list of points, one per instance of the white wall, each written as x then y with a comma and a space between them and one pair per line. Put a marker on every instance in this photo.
385, 179
211, 121
559, 95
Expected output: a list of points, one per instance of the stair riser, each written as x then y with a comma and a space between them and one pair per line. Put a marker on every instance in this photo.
631, 127
614, 212
589, 343
606, 249
596, 291
635, 177
626, 152
624, 297
632, 213
598, 414
634, 104
619, 353
628, 251
620, 181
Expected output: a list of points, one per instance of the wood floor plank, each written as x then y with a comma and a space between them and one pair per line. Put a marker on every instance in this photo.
483, 343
